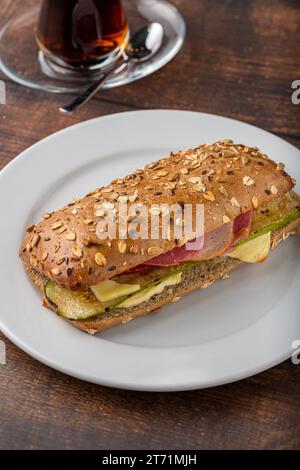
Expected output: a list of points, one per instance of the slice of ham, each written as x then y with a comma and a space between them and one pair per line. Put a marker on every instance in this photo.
214, 244
176, 256
137, 269
241, 226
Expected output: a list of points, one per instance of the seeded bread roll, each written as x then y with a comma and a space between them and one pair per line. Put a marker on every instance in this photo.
227, 178
200, 276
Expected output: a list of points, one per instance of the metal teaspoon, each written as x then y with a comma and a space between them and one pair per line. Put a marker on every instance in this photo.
142, 45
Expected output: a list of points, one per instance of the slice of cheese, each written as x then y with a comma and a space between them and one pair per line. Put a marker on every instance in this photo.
254, 251
110, 290
149, 292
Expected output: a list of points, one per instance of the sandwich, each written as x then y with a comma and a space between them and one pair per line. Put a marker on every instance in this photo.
97, 280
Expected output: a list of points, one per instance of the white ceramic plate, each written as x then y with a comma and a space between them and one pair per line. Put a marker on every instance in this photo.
234, 329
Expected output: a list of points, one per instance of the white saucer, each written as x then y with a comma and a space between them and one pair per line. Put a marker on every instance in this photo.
23, 64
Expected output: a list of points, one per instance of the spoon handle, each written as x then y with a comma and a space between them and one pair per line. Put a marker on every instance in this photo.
92, 89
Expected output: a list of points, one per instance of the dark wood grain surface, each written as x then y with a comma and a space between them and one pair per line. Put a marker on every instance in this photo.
239, 60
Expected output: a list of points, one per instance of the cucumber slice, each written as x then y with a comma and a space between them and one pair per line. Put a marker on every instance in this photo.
74, 305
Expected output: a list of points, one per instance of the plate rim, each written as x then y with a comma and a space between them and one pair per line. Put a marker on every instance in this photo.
140, 387
108, 117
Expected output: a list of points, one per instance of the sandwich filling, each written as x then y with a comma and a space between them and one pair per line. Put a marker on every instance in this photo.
248, 239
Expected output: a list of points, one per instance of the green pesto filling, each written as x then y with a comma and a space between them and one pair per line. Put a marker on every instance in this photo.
270, 227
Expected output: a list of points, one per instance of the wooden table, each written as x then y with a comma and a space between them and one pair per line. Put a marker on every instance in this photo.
239, 60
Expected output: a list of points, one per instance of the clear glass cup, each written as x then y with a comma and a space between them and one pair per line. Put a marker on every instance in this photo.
82, 34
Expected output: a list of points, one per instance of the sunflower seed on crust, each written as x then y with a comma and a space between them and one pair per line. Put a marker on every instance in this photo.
100, 259
133, 249
133, 198
280, 167
30, 228
77, 251
122, 246
226, 219
33, 261
55, 271
209, 196
195, 180
56, 225
154, 250
162, 173
255, 202
71, 236
35, 240
200, 188
234, 202
247, 181
223, 191
274, 190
